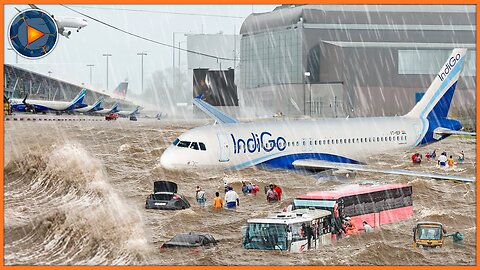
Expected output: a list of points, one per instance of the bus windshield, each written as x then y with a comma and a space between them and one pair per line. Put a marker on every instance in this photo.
265, 236
429, 233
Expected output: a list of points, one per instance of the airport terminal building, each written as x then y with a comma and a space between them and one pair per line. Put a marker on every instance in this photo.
356, 60
19, 82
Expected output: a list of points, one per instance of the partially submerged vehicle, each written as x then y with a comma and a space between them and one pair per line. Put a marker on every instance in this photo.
429, 235
377, 204
190, 240
165, 197
296, 231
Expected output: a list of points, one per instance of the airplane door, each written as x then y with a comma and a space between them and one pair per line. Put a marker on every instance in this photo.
224, 148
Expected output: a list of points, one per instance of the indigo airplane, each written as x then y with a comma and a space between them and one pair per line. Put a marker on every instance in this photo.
97, 106
48, 105
129, 113
113, 109
322, 143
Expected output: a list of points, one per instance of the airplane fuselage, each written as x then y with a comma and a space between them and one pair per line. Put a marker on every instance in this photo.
276, 144
45, 105
70, 22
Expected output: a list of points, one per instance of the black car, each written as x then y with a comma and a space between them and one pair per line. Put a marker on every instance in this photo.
165, 197
133, 117
191, 239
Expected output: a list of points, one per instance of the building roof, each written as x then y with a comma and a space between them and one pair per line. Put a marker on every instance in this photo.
354, 44
348, 191
287, 15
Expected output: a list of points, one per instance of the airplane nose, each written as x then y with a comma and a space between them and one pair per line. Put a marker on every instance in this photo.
166, 159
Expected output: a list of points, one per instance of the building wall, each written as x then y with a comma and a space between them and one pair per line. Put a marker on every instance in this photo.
366, 52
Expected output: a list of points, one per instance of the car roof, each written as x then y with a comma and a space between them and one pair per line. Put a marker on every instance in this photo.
190, 237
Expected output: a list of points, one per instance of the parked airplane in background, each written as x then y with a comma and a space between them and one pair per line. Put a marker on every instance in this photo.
322, 143
129, 113
113, 109
35, 106
64, 23
97, 106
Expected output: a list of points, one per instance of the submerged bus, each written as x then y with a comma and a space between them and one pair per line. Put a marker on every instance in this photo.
373, 203
295, 231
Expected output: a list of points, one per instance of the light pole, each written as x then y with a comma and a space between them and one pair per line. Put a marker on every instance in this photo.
306, 76
179, 51
142, 54
90, 66
49, 83
173, 55
107, 55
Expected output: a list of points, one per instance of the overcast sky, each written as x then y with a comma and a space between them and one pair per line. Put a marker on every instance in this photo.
69, 59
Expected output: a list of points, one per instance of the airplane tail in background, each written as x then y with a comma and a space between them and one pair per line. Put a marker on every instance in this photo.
136, 110
121, 90
77, 102
98, 105
114, 108
435, 104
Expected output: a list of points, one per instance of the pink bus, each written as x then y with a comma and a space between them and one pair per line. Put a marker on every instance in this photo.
375, 204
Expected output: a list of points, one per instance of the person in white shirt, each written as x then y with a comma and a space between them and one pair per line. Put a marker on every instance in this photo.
231, 198
442, 160
367, 228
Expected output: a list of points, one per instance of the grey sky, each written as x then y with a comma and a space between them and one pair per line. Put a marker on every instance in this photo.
69, 59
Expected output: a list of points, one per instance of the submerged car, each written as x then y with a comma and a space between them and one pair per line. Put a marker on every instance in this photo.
165, 197
191, 239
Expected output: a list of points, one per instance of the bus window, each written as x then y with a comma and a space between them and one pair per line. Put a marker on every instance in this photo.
265, 236
297, 233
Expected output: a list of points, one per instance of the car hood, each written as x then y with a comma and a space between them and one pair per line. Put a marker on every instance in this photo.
164, 186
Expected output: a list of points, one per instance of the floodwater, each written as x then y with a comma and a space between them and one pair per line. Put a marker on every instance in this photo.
75, 195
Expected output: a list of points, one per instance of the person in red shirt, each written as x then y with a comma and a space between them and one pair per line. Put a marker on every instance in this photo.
278, 190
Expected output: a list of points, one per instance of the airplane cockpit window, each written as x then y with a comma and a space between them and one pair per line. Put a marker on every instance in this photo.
194, 145
176, 141
202, 147
183, 144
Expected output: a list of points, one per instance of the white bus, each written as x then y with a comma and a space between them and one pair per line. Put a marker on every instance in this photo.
295, 231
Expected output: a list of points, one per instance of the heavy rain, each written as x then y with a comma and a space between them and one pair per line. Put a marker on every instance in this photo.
280, 92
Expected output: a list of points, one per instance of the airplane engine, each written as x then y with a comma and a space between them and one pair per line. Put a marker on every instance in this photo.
66, 33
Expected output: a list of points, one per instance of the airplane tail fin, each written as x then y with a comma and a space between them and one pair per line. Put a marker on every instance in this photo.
98, 104
114, 107
78, 100
121, 90
436, 101
136, 110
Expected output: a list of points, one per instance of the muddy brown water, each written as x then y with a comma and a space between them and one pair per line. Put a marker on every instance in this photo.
75, 195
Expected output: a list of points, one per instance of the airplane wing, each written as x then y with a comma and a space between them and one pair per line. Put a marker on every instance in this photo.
212, 111
320, 164
446, 131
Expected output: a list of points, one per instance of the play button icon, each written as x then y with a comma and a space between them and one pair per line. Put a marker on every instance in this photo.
33, 33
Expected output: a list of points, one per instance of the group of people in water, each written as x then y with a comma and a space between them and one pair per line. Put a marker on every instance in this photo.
442, 160
273, 194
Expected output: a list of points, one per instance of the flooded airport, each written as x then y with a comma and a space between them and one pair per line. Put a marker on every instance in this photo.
75, 195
